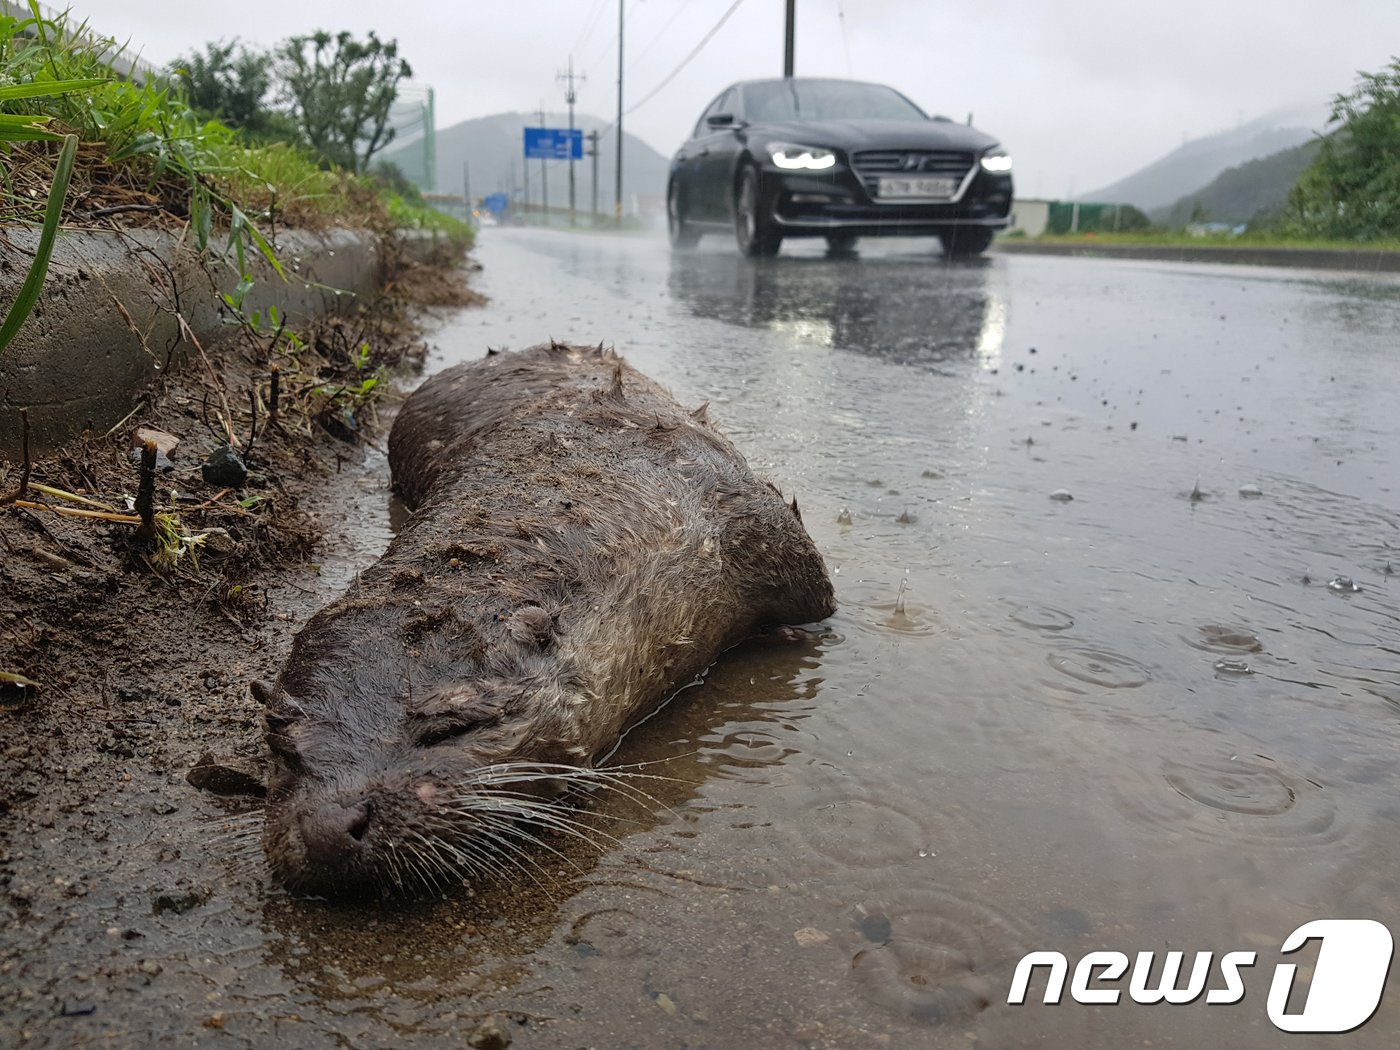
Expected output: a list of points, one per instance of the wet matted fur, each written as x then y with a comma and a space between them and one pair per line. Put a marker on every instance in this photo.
581, 547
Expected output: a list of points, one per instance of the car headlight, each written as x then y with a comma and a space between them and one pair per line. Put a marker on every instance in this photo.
811, 158
996, 160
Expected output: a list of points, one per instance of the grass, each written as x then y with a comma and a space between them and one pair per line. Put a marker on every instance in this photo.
146, 156
82, 147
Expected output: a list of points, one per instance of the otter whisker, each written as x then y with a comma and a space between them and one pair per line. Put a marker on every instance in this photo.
452, 860
518, 830
237, 824
467, 853
392, 863
544, 816
565, 769
533, 772
488, 830
594, 837
494, 830
493, 866
547, 814
490, 816
431, 867
563, 804
400, 868
236, 837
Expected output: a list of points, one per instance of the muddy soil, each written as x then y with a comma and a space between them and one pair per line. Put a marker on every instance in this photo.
138, 749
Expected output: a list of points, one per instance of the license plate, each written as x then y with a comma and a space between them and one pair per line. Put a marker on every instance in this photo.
895, 188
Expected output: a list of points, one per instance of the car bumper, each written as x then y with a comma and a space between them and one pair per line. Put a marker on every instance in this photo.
808, 204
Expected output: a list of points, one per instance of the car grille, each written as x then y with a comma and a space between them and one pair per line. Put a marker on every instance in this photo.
871, 164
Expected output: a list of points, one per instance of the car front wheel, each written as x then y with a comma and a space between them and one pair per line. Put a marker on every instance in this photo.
963, 242
840, 244
683, 234
752, 228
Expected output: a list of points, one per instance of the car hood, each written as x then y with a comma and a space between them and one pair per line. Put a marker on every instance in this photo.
874, 134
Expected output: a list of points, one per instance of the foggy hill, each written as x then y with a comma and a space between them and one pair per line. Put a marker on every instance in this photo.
1193, 164
1241, 193
491, 144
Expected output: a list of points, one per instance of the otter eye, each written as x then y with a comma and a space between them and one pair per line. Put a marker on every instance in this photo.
442, 716
279, 721
441, 734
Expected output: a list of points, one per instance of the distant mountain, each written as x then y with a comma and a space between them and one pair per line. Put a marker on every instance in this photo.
492, 145
1239, 194
1195, 163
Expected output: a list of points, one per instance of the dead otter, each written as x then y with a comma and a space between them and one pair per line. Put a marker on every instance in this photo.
581, 547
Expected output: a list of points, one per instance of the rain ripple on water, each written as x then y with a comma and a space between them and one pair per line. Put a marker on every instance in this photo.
931, 956
1229, 641
1236, 799
1100, 667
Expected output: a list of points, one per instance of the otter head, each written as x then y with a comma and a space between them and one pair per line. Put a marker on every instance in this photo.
426, 790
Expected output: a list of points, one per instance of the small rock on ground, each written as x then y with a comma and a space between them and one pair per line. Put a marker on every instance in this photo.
489, 1035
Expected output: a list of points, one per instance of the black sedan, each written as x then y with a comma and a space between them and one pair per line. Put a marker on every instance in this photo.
840, 159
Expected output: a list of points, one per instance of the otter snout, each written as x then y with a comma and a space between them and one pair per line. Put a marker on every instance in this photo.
340, 842
333, 835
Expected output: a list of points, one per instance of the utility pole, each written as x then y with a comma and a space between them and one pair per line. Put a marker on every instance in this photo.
593, 152
467, 191
429, 145
788, 38
544, 176
617, 200
569, 97
525, 167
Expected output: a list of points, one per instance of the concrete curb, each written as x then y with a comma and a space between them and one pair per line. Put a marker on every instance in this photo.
1349, 259
106, 323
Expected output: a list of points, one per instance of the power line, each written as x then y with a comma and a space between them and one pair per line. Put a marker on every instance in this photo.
686, 61
611, 41
669, 22
598, 58
589, 24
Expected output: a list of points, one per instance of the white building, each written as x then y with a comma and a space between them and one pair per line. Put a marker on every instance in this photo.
1029, 216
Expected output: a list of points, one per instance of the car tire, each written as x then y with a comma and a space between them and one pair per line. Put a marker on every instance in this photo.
964, 242
683, 235
753, 230
841, 243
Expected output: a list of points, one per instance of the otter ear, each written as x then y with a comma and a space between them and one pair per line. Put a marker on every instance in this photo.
263, 693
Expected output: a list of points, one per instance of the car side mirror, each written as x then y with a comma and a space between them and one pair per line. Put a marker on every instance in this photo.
720, 120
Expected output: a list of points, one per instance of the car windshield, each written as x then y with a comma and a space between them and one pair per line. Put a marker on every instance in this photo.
782, 100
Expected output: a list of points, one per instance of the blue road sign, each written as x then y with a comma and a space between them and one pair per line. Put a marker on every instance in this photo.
553, 144
495, 203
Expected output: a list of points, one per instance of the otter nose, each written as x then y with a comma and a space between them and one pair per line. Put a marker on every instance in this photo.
333, 833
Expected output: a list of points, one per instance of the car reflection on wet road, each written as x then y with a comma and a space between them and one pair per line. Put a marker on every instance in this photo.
922, 314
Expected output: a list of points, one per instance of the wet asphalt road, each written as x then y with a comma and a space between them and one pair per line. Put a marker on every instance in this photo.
1162, 714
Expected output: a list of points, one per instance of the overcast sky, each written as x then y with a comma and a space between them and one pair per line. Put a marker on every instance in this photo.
1080, 92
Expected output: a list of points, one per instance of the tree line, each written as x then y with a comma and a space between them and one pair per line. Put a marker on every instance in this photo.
1342, 185
1351, 191
328, 93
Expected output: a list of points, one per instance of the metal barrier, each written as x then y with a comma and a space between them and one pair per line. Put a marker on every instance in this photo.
114, 53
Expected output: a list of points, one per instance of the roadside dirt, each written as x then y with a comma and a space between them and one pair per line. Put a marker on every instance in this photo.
137, 748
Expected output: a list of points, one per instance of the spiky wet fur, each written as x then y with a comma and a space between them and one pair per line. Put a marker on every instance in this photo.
581, 547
